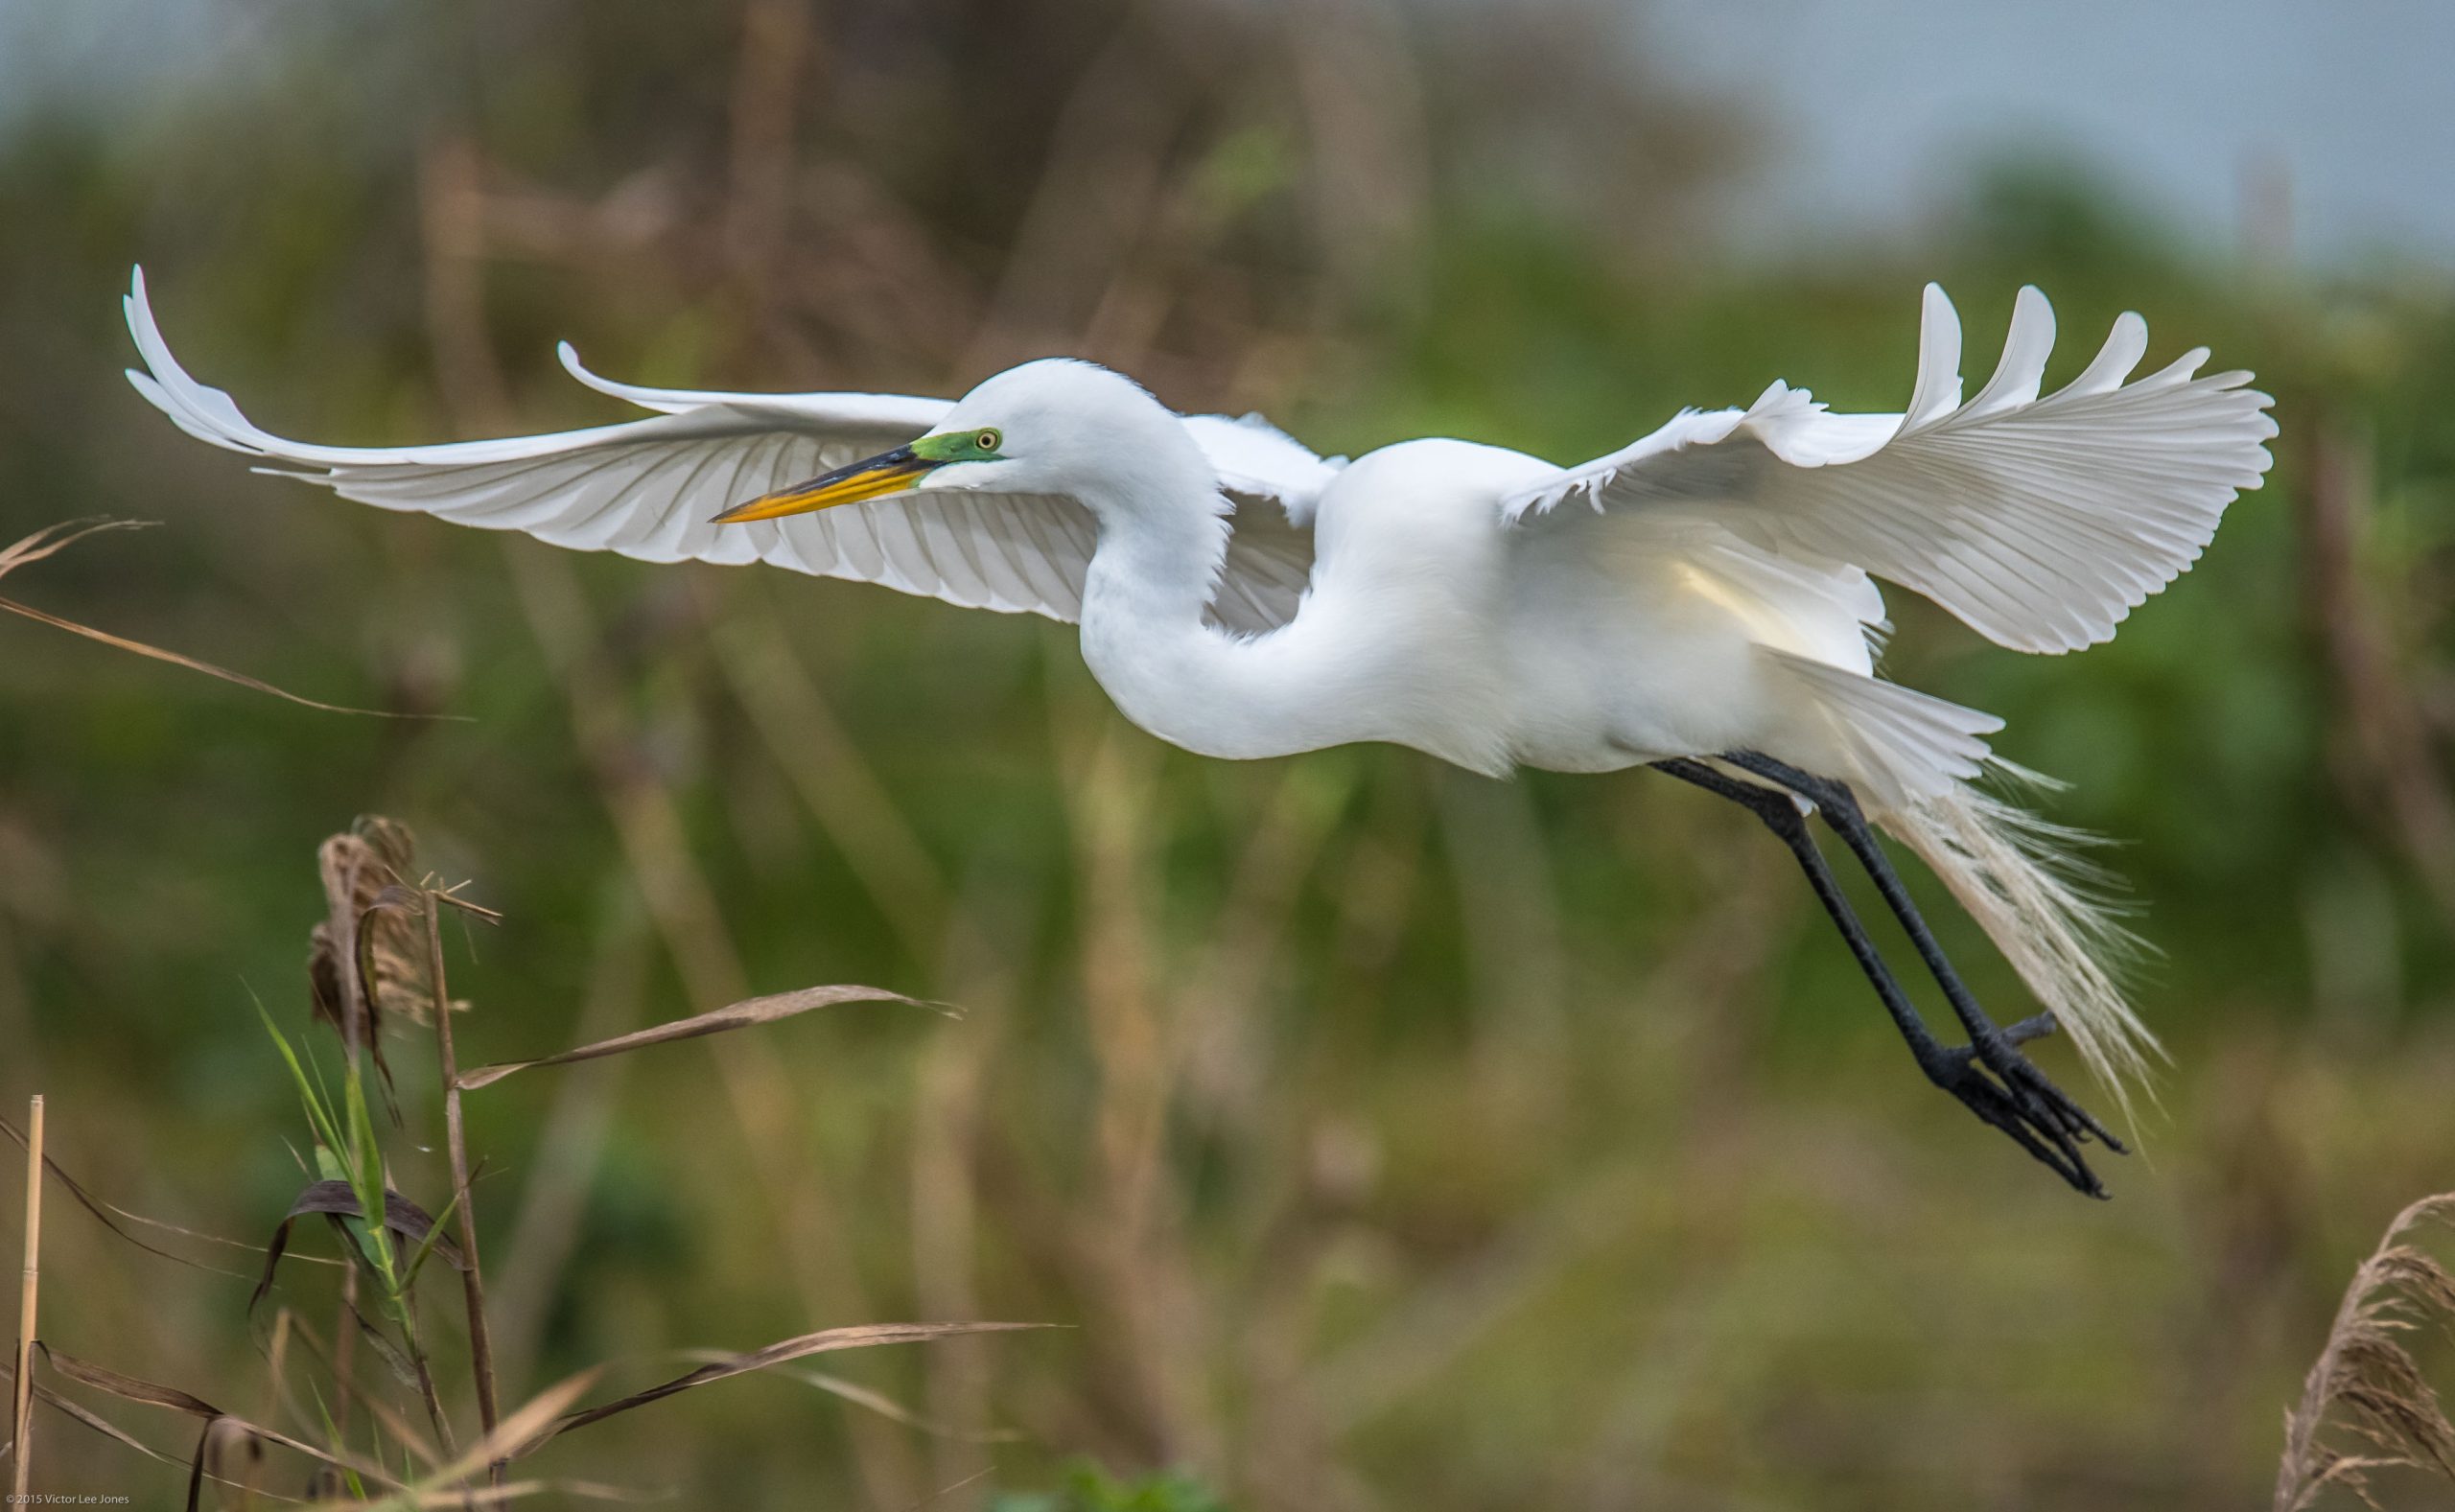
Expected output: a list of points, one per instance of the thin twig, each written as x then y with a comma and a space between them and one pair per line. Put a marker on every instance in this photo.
22, 1419
427, 1392
193, 665
344, 1352
482, 1357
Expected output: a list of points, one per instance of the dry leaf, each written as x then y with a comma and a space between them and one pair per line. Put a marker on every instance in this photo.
368, 900
336, 1200
53, 538
105, 1210
716, 1021
131, 1388
128, 1389
860, 1336
101, 1425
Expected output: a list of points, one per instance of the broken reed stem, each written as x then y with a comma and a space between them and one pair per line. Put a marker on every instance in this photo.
481, 1356
21, 1420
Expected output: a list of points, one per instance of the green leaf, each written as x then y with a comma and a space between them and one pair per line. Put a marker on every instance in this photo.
333, 1441
319, 1116
426, 1246
367, 1177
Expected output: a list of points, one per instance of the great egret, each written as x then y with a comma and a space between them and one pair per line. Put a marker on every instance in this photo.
1698, 600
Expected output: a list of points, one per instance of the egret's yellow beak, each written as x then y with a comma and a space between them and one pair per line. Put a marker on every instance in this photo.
887, 473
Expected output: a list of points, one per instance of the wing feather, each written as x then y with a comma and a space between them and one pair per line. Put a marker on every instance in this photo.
649, 489
2041, 522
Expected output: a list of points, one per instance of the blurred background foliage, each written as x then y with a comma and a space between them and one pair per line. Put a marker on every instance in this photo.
1388, 1137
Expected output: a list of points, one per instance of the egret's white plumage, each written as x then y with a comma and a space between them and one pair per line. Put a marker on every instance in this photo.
1704, 590
650, 488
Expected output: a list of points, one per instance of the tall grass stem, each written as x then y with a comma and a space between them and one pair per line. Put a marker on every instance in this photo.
481, 1359
21, 1420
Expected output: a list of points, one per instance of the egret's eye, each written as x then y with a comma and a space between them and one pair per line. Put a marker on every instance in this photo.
987, 440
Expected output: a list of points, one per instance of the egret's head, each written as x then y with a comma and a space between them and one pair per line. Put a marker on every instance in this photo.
1056, 426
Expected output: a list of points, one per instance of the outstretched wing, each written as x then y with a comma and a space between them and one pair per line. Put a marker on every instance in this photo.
649, 489
2040, 521
1274, 480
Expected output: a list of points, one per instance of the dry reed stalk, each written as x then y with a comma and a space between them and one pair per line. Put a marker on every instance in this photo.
481, 1360
22, 1416
17, 997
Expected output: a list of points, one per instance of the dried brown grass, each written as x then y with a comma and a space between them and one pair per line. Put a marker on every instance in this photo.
365, 964
53, 539
21, 1404
2365, 1405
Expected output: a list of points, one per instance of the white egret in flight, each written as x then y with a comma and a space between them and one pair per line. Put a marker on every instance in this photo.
1700, 601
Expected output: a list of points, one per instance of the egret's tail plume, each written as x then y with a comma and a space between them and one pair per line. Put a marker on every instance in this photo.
2045, 908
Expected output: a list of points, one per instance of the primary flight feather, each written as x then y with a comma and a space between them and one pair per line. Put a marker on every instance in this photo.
1701, 600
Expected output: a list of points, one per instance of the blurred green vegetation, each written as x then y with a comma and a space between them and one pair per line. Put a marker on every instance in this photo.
1387, 1137
1088, 1488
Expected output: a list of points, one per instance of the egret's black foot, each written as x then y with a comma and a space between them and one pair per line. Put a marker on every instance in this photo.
1990, 1075
2023, 1102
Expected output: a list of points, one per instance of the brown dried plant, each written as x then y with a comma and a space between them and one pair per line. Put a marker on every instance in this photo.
53, 539
2366, 1406
360, 866
375, 955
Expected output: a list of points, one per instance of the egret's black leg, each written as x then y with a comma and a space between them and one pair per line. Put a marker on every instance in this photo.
1781, 816
1998, 1047
1952, 1068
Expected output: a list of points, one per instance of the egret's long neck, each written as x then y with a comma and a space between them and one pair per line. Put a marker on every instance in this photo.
1145, 638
